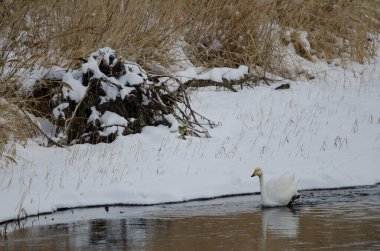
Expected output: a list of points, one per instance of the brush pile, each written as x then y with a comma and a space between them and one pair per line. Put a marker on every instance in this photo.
104, 98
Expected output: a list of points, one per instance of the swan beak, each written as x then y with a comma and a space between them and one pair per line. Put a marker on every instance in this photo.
253, 175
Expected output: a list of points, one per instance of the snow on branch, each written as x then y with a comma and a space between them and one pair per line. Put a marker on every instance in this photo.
107, 97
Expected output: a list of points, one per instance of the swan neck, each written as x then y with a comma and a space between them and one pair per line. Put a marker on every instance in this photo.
262, 189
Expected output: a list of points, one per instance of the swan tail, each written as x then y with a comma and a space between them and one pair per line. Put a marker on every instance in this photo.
294, 198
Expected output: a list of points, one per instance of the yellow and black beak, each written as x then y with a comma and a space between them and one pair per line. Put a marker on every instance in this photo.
253, 175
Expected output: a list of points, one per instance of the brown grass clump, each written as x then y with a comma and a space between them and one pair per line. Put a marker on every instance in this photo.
69, 29
335, 28
14, 127
225, 33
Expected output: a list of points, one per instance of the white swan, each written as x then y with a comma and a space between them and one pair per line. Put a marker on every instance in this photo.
281, 191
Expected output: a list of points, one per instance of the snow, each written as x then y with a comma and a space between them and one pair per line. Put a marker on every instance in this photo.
112, 122
31, 77
186, 75
3, 101
95, 115
174, 123
111, 118
105, 53
132, 78
218, 74
304, 41
55, 72
178, 54
145, 100
326, 130
214, 74
92, 65
58, 111
112, 92
125, 91
216, 45
75, 90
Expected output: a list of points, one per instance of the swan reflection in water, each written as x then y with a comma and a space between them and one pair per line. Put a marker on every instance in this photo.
281, 221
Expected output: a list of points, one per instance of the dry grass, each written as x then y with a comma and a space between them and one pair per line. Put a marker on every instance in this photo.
217, 32
14, 127
222, 33
335, 28
69, 29
249, 32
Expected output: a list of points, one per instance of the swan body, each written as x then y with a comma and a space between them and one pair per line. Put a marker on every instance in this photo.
281, 191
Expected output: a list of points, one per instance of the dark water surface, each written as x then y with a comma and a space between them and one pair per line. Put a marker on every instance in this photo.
347, 219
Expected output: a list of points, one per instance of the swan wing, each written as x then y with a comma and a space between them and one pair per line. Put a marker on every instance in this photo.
281, 189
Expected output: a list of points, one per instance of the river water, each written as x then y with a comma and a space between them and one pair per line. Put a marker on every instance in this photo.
345, 219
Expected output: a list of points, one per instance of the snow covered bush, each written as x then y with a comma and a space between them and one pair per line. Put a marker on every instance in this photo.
103, 98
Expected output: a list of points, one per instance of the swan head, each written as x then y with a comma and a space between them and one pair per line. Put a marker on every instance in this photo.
257, 172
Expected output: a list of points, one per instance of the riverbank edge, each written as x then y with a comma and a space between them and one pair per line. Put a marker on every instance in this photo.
61, 209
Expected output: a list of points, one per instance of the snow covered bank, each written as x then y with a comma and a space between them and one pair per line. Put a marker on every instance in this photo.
326, 130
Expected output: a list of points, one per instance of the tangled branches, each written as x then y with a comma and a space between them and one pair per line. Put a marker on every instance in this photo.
107, 97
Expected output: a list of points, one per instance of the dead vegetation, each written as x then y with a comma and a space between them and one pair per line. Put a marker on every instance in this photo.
43, 33
250, 32
14, 127
335, 28
107, 97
